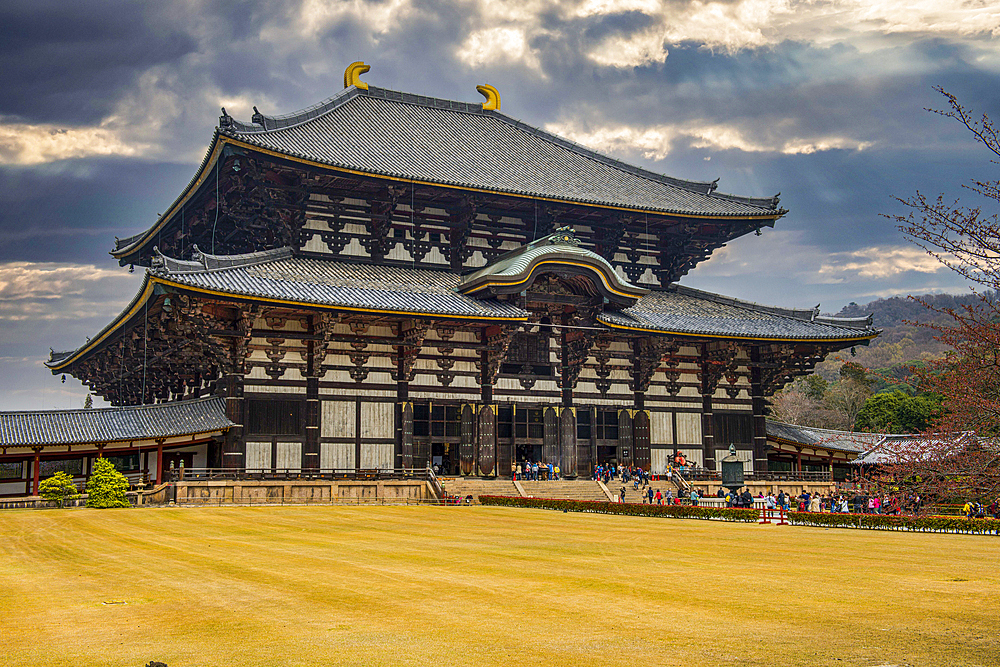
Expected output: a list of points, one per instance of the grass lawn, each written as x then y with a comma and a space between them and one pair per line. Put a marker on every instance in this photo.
456, 586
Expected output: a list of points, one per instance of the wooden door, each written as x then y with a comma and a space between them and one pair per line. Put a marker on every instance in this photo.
488, 441
625, 442
640, 439
550, 441
467, 449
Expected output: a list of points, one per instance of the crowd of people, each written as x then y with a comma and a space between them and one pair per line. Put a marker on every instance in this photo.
857, 501
534, 471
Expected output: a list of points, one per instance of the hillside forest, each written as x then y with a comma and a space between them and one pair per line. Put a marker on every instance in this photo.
873, 387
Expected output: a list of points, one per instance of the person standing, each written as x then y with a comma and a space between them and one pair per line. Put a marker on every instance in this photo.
621, 494
659, 497
694, 498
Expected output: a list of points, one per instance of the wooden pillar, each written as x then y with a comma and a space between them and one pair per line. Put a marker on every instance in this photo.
36, 468
315, 352
707, 431
234, 449
568, 456
404, 409
798, 459
757, 404
159, 461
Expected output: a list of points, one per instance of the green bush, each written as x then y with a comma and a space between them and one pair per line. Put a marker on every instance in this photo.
59, 487
107, 486
925, 524
627, 509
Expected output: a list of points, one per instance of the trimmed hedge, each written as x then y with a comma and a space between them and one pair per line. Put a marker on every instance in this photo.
924, 524
627, 509
928, 524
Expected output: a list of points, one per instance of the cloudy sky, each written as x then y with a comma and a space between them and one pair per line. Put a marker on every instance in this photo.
109, 106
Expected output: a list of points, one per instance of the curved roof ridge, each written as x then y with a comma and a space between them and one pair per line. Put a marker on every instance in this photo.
118, 408
203, 261
805, 314
823, 430
264, 123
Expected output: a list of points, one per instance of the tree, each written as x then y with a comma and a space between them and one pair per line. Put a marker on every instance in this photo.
896, 411
848, 396
106, 487
88, 403
59, 487
953, 457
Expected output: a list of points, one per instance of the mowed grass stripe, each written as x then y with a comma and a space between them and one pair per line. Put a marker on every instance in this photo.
482, 586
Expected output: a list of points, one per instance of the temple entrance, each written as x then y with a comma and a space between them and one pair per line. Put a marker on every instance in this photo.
437, 432
606, 455
529, 433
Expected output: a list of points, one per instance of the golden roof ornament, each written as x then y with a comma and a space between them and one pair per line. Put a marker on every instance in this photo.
492, 96
352, 75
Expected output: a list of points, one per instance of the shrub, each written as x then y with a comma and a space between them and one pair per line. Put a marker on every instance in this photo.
628, 509
926, 524
59, 487
107, 486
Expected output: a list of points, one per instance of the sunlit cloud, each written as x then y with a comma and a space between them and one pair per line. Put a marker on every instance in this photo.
656, 142
29, 144
879, 262
58, 291
736, 26
491, 44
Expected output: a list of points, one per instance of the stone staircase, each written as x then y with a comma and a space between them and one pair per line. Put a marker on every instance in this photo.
569, 489
475, 487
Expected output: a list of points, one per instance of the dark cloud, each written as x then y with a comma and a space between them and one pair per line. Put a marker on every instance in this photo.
72, 214
69, 62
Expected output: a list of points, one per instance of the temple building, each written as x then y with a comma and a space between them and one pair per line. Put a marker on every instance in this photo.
387, 280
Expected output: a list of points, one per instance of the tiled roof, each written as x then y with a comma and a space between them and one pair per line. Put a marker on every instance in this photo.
67, 427
842, 441
276, 274
389, 133
687, 311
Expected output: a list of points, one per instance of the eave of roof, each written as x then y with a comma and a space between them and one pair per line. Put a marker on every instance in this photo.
682, 311
234, 277
107, 425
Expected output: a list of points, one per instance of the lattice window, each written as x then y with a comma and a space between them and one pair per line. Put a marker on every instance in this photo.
274, 417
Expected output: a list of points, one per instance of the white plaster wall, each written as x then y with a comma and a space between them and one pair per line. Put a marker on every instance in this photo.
688, 428
377, 456
377, 422
661, 428
258, 456
659, 459
289, 456
338, 419
336, 455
